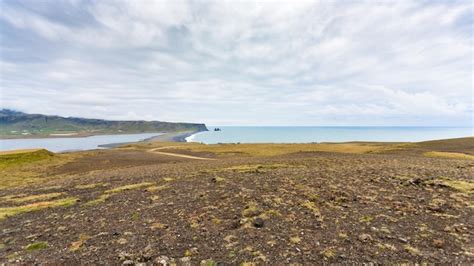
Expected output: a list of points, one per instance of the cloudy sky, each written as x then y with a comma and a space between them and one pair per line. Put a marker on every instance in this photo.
241, 62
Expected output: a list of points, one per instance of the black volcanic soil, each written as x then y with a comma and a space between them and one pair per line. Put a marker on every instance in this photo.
308, 208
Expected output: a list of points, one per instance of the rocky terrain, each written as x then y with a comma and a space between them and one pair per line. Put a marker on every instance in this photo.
305, 204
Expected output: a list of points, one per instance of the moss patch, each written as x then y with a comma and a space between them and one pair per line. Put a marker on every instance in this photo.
15, 158
100, 199
25, 168
37, 246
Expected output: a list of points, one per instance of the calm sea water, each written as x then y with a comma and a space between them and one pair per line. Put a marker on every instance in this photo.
71, 144
327, 134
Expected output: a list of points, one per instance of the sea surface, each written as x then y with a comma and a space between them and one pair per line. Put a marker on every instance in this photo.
72, 144
234, 134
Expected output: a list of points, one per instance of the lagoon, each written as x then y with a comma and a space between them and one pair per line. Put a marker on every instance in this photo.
72, 143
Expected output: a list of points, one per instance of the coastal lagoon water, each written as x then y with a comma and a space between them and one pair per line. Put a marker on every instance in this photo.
233, 134
72, 144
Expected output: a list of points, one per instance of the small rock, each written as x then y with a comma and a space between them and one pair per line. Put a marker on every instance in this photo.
122, 241
128, 262
403, 240
124, 256
365, 237
438, 243
185, 261
162, 260
258, 222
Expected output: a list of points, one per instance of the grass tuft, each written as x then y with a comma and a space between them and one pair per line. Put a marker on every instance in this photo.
89, 186
128, 187
47, 196
459, 185
108, 193
10, 211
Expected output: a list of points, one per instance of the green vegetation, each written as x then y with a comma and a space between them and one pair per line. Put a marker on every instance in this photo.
21, 157
17, 125
10, 211
23, 167
37, 246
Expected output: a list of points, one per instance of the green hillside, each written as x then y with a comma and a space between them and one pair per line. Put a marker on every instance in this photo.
15, 124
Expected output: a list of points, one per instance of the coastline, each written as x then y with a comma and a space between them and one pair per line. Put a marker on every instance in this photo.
63, 136
173, 136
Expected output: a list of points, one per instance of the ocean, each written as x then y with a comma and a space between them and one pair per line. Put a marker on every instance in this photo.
236, 134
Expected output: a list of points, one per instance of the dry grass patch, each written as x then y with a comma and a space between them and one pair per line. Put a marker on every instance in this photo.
79, 243
100, 199
30, 167
252, 168
412, 250
22, 199
311, 206
128, 187
15, 158
108, 193
10, 211
295, 239
449, 155
459, 185
89, 186
281, 149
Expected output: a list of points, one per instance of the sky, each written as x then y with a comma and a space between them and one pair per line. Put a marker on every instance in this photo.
313, 63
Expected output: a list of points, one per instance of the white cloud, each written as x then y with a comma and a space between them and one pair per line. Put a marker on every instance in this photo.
241, 62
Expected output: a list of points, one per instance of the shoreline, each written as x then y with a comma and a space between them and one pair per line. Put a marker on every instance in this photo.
85, 135
173, 137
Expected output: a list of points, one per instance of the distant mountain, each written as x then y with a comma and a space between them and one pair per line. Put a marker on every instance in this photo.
15, 124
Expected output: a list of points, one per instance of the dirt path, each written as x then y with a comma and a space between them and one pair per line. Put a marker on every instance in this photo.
157, 151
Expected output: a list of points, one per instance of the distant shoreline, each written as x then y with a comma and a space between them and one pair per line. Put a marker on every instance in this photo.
163, 137
173, 137
64, 136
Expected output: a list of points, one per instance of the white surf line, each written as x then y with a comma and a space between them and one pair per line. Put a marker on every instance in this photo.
156, 150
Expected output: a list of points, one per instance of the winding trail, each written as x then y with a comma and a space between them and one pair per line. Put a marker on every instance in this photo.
157, 151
